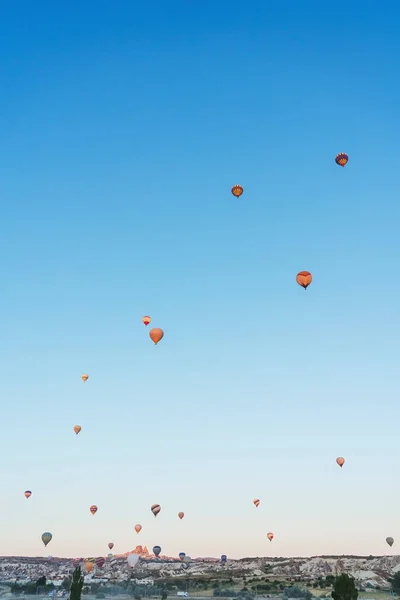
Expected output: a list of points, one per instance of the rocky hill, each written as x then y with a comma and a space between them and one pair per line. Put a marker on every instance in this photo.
369, 572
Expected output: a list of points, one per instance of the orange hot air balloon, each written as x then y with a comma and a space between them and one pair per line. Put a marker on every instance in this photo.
341, 159
77, 429
155, 509
138, 528
28, 494
181, 515
93, 509
146, 320
304, 278
270, 536
85, 377
340, 461
89, 566
256, 502
156, 334
237, 190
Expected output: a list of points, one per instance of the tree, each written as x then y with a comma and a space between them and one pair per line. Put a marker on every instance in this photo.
344, 588
76, 585
395, 581
297, 592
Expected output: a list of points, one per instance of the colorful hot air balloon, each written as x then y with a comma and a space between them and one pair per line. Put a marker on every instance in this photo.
85, 377
93, 509
138, 528
270, 536
146, 320
304, 278
237, 190
256, 502
156, 334
157, 550
340, 461
27, 493
182, 555
155, 509
77, 429
46, 538
341, 159
390, 541
132, 560
111, 545
89, 566
100, 562
181, 515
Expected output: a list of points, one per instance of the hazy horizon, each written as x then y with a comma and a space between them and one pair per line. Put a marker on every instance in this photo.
124, 129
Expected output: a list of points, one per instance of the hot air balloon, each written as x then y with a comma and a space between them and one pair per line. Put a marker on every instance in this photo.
46, 538
390, 541
224, 558
109, 556
89, 566
270, 536
156, 334
181, 515
49, 558
341, 159
85, 377
93, 509
100, 562
304, 278
77, 429
146, 320
138, 528
157, 550
155, 509
187, 560
256, 502
28, 494
340, 461
182, 555
237, 190
111, 545
132, 560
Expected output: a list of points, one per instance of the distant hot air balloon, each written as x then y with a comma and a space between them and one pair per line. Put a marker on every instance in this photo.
155, 509
187, 559
341, 159
49, 558
157, 550
28, 494
182, 555
340, 461
93, 509
138, 527
100, 562
109, 556
156, 334
146, 320
77, 429
132, 560
85, 377
89, 566
256, 502
270, 536
46, 538
390, 541
181, 515
237, 190
111, 545
304, 278
224, 558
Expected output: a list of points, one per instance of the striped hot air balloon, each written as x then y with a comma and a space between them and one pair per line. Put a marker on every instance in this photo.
237, 190
93, 509
155, 509
146, 320
27, 493
341, 159
256, 502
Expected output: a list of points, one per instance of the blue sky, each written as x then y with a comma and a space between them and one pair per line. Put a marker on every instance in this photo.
123, 128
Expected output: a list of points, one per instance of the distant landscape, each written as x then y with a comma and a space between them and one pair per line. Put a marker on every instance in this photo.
204, 577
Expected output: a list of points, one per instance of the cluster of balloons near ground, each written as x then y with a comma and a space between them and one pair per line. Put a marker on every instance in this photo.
303, 278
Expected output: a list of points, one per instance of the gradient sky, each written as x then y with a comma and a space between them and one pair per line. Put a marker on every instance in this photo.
123, 127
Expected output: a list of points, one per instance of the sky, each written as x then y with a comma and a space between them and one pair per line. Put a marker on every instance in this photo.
123, 127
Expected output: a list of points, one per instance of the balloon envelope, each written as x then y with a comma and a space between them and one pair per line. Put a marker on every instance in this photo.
89, 566
46, 537
77, 429
85, 377
93, 509
340, 461
181, 515
111, 545
157, 550
155, 509
390, 541
182, 555
146, 320
28, 494
237, 190
156, 334
132, 560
